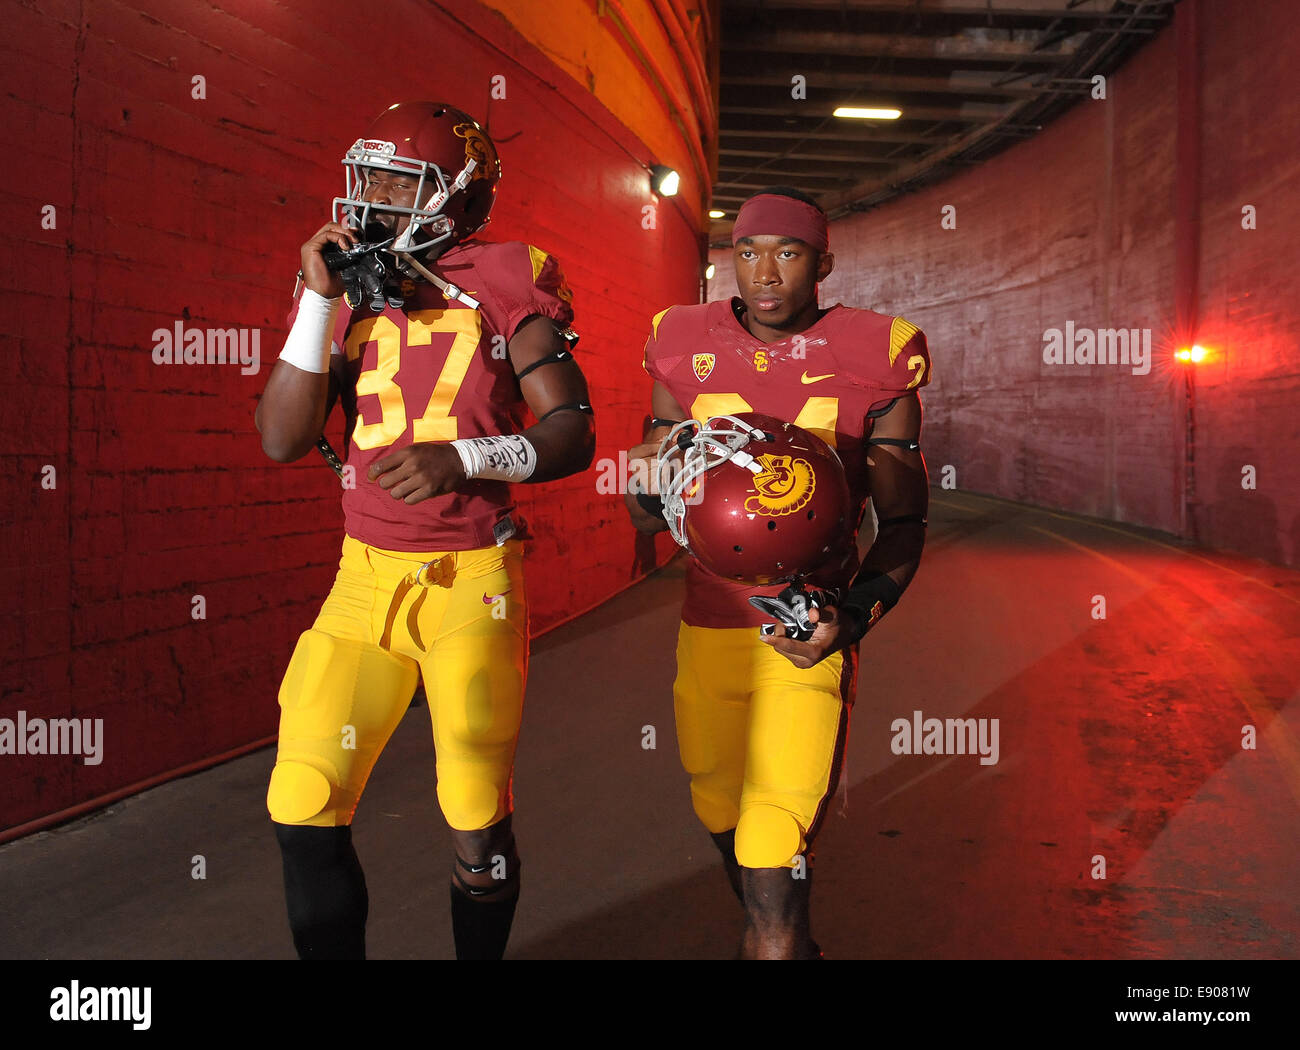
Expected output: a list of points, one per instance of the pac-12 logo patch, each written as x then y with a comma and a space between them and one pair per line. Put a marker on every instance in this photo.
783, 486
703, 364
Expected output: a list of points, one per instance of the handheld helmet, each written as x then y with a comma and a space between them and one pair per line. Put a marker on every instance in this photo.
753, 498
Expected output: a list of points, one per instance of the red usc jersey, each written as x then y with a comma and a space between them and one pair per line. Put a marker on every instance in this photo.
438, 370
828, 379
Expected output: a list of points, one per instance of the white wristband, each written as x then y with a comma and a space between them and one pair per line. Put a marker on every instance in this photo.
309, 343
505, 457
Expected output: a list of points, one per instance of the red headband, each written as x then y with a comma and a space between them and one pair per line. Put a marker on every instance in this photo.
772, 213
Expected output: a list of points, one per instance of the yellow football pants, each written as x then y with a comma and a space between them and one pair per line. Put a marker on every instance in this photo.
762, 740
459, 620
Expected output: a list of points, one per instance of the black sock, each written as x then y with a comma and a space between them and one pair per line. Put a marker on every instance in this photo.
325, 891
482, 927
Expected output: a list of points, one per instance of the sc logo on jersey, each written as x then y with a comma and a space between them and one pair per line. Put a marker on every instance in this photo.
784, 485
760, 360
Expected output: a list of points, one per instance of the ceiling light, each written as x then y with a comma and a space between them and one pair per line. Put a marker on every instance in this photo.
859, 113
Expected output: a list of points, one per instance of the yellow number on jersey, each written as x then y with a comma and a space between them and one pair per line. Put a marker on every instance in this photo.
379, 380
818, 415
718, 405
918, 362
437, 424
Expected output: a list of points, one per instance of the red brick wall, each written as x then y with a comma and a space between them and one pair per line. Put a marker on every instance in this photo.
171, 208
1078, 224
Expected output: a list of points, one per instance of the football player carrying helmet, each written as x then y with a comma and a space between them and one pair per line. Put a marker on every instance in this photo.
770, 511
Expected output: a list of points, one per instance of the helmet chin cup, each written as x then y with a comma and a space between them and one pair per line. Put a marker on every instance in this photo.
438, 227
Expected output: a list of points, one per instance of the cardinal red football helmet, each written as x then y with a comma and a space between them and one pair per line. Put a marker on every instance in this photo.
753, 498
452, 156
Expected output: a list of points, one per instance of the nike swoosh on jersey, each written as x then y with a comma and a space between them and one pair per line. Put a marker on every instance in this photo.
489, 600
806, 378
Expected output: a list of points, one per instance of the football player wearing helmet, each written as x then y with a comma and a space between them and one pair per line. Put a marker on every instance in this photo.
762, 710
435, 345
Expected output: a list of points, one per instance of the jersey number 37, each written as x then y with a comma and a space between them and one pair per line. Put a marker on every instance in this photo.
436, 423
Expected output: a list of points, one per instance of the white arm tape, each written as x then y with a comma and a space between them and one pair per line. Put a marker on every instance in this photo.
309, 344
505, 457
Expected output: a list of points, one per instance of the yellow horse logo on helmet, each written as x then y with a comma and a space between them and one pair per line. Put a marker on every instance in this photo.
784, 486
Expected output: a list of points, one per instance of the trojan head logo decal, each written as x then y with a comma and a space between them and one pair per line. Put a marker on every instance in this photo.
784, 486
703, 364
478, 148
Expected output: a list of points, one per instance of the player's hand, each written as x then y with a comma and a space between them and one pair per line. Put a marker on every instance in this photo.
642, 463
315, 274
833, 632
419, 471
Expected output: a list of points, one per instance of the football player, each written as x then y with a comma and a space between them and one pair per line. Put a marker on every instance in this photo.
762, 716
440, 346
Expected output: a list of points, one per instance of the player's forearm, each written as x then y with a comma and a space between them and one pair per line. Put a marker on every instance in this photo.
291, 414
886, 571
565, 444
896, 552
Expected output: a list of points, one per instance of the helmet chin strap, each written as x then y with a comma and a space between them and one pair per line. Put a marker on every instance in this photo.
451, 291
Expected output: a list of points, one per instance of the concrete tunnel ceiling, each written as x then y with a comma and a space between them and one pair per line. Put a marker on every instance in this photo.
971, 77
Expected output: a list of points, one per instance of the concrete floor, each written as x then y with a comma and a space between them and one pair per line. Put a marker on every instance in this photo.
1119, 738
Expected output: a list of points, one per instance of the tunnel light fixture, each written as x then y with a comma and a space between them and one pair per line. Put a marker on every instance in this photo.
710, 271
715, 214
664, 181
867, 113
1192, 355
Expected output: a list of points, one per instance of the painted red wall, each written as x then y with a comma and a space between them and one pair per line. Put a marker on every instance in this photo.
1078, 224
171, 208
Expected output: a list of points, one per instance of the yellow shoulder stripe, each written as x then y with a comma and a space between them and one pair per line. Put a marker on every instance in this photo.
654, 325
900, 332
538, 258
